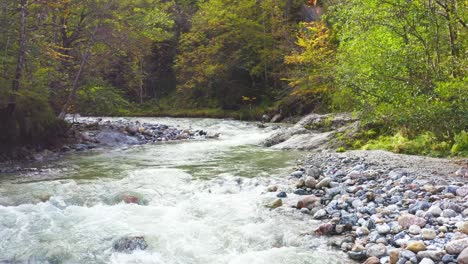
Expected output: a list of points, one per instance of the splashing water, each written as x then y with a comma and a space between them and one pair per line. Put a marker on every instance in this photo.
198, 202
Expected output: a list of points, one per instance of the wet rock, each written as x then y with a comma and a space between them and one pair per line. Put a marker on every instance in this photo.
406, 220
130, 199
358, 255
416, 246
456, 246
276, 203
272, 188
281, 195
130, 244
309, 201
325, 229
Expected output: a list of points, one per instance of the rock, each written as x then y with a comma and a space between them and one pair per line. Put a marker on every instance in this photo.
383, 229
463, 257
362, 231
112, 138
276, 203
406, 220
456, 246
130, 244
428, 234
448, 258
297, 174
416, 246
435, 255
462, 172
281, 195
358, 256
310, 182
420, 205
348, 219
463, 227
394, 255
414, 229
463, 191
372, 260
325, 229
309, 201
435, 210
314, 172
407, 254
300, 183
426, 261
325, 182
449, 213
377, 250
276, 118
320, 214
130, 199
272, 188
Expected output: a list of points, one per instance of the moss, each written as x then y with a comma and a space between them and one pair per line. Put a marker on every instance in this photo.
341, 149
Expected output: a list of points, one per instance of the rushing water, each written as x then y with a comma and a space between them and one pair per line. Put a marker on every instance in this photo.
202, 201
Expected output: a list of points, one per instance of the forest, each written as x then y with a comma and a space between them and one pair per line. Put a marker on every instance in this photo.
398, 65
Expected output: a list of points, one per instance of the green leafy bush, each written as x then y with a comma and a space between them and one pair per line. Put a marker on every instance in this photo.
102, 100
460, 148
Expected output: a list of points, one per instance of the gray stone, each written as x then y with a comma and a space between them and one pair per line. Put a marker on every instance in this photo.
456, 246
377, 250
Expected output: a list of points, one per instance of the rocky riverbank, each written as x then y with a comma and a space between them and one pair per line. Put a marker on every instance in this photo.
94, 133
381, 207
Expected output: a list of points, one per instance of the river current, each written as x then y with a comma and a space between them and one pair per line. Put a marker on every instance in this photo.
201, 202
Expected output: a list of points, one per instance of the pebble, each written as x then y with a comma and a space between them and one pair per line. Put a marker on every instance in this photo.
414, 229
377, 250
426, 261
383, 229
456, 246
416, 246
428, 234
282, 195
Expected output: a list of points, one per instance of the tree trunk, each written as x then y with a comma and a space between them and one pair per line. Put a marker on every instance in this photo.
22, 41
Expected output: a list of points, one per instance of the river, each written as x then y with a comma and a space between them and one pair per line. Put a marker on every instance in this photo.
201, 202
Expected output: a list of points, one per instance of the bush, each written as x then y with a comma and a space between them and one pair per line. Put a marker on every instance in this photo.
102, 100
460, 148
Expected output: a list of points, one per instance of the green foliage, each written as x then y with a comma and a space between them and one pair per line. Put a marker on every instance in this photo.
460, 148
102, 101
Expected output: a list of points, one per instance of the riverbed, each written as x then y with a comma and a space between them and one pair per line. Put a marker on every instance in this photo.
199, 201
